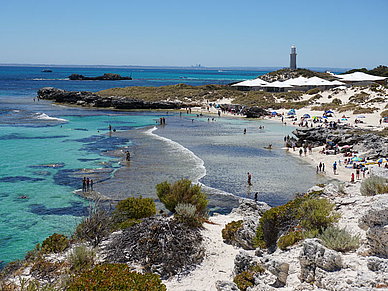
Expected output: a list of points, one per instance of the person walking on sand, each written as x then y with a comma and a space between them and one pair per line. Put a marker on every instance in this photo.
249, 179
335, 168
320, 166
323, 167
358, 173
300, 152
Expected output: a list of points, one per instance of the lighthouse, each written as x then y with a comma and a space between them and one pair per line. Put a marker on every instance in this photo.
293, 58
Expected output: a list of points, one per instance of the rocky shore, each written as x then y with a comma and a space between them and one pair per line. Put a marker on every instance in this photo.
89, 99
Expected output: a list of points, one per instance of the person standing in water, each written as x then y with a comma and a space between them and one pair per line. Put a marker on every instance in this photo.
249, 179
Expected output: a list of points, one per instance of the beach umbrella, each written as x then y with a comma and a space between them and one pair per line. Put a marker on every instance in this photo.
356, 159
274, 113
361, 116
329, 111
344, 119
306, 115
382, 160
324, 116
346, 146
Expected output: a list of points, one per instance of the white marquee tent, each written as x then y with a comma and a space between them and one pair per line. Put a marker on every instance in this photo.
359, 77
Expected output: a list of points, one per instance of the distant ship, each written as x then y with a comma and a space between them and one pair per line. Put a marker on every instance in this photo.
46, 71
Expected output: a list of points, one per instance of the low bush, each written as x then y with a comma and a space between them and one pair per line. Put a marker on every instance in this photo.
314, 91
310, 212
336, 101
289, 239
384, 113
317, 213
374, 185
187, 214
55, 243
94, 227
230, 229
116, 277
81, 258
46, 270
339, 239
134, 208
127, 223
247, 278
183, 191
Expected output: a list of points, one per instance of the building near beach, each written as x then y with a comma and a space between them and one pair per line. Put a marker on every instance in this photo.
293, 58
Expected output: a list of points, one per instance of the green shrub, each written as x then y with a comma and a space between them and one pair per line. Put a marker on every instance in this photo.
309, 211
230, 229
187, 214
339, 239
279, 218
81, 258
127, 223
134, 208
116, 277
55, 243
182, 192
246, 279
317, 213
289, 239
384, 113
374, 185
314, 91
336, 101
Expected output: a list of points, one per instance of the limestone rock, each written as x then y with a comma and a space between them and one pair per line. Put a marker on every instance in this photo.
376, 264
375, 221
243, 261
226, 286
248, 207
279, 269
313, 256
244, 236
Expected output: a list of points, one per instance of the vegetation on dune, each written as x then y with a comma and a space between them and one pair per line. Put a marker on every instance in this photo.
374, 185
287, 74
246, 279
116, 277
378, 71
339, 239
302, 217
230, 229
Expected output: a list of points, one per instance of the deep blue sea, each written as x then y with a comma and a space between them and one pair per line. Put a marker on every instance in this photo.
46, 149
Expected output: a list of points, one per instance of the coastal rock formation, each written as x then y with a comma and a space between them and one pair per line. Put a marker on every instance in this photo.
375, 222
372, 144
255, 112
313, 256
90, 99
105, 77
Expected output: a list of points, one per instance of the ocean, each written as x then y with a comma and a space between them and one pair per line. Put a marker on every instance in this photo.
46, 149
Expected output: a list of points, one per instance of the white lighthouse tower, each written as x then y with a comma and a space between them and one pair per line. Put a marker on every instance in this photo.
293, 58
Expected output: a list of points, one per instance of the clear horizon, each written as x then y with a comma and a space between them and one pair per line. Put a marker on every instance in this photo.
248, 34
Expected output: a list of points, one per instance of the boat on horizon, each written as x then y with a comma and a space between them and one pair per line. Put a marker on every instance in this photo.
47, 71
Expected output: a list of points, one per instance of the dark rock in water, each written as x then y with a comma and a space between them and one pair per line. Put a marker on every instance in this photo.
16, 179
160, 245
255, 112
76, 209
105, 77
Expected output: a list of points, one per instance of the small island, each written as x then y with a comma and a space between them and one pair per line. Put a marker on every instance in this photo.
105, 77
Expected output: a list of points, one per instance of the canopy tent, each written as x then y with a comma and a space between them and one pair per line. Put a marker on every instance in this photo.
277, 84
337, 83
359, 77
315, 81
251, 83
300, 81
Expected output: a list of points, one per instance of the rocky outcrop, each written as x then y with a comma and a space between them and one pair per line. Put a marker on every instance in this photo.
375, 222
315, 256
226, 286
366, 141
105, 77
90, 99
255, 112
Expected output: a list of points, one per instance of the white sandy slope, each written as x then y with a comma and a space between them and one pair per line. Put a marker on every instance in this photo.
218, 263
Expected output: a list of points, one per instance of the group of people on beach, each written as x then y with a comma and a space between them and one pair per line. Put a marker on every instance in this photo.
87, 184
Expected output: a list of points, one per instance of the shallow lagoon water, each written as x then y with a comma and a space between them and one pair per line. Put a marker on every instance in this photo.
47, 148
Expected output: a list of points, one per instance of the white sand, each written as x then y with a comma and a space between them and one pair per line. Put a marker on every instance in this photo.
218, 263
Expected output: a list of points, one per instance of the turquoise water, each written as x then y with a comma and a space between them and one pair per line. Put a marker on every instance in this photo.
47, 149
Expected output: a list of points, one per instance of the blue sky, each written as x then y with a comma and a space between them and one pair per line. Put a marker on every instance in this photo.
338, 33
